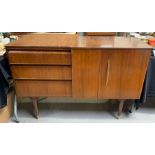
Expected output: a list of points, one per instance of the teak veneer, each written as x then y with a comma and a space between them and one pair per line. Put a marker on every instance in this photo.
85, 67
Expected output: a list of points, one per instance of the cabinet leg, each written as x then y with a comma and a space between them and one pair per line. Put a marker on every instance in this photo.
120, 108
15, 110
35, 105
131, 107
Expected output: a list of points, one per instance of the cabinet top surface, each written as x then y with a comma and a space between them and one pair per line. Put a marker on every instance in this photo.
42, 41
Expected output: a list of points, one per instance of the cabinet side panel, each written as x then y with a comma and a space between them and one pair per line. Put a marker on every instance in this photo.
134, 67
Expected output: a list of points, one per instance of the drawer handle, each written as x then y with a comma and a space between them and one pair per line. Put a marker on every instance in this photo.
108, 72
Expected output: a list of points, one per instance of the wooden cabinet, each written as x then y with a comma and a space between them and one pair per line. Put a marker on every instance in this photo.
78, 67
108, 74
92, 73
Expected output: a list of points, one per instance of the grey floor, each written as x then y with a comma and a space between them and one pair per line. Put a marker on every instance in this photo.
69, 111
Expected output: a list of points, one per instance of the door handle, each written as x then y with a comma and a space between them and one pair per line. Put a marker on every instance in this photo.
108, 72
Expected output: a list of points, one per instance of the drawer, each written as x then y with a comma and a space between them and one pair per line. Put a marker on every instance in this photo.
32, 88
42, 72
34, 57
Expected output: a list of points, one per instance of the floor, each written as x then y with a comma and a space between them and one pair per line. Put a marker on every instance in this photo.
69, 111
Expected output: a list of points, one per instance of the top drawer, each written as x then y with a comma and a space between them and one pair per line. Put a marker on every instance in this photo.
34, 57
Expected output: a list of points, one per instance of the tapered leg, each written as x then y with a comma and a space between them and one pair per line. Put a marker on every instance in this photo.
15, 110
35, 105
120, 108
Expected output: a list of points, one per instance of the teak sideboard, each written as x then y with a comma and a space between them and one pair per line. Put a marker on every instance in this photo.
83, 67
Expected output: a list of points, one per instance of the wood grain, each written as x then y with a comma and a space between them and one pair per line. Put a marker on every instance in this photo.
38, 58
85, 73
42, 72
68, 41
89, 67
125, 76
31, 88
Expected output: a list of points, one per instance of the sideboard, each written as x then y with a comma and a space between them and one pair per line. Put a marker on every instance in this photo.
82, 67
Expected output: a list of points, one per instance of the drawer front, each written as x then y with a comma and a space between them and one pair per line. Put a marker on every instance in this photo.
41, 72
30, 88
47, 58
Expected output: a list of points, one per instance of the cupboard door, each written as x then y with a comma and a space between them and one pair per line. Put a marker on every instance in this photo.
125, 75
85, 73
108, 73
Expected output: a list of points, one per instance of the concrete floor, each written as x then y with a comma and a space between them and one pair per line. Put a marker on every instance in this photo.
69, 111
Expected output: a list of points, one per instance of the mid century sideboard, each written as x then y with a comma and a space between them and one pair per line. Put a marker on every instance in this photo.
83, 67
